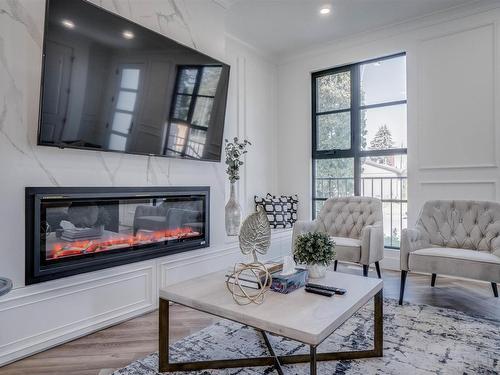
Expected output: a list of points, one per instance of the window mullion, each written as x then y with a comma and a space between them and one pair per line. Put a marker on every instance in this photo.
356, 126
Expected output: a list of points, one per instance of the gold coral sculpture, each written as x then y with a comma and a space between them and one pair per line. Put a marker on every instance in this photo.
255, 237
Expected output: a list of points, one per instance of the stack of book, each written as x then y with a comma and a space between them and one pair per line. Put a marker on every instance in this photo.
249, 279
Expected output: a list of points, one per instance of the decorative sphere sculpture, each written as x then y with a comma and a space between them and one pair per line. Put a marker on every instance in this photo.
243, 295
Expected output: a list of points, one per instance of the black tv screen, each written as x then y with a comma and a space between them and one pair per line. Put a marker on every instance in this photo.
110, 84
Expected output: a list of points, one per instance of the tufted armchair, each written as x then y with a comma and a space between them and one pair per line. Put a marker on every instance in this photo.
355, 224
456, 238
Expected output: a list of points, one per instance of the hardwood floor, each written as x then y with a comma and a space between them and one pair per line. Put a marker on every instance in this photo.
119, 345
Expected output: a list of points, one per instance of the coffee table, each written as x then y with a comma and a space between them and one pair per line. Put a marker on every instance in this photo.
300, 316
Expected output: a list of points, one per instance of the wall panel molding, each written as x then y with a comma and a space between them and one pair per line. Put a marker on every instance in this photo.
470, 189
459, 182
455, 167
428, 45
34, 319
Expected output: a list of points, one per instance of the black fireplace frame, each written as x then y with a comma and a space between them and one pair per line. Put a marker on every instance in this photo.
36, 273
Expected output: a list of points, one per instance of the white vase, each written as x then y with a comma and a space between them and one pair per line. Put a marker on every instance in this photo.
316, 271
233, 214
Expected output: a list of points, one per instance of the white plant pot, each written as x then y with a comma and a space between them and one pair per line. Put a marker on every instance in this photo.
316, 271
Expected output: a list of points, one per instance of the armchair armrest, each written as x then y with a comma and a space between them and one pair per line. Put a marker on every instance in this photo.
372, 243
412, 239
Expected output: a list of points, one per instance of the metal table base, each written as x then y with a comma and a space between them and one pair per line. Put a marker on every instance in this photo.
273, 359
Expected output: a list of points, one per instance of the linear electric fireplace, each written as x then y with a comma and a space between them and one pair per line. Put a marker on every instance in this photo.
75, 230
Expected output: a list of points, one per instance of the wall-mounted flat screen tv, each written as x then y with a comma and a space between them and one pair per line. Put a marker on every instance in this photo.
109, 84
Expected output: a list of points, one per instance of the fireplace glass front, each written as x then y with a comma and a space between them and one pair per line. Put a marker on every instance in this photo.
82, 229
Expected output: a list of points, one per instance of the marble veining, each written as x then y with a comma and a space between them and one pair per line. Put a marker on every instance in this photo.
45, 169
175, 17
16, 11
23, 163
150, 172
163, 172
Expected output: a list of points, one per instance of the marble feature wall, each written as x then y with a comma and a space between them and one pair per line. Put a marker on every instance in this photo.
22, 163
91, 301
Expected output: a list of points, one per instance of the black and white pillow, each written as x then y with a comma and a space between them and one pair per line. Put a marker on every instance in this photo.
276, 210
292, 205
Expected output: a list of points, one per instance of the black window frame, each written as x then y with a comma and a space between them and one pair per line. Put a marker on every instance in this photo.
194, 95
355, 152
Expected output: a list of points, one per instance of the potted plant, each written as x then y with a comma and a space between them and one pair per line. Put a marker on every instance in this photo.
316, 250
234, 154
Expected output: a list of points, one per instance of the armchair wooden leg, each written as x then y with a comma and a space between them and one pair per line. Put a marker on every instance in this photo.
402, 290
495, 289
365, 270
377, 266
433, 279
335, 265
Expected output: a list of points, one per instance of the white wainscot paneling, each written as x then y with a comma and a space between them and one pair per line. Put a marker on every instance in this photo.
176, 269
457, 102
459, 190
172, 270
40, 316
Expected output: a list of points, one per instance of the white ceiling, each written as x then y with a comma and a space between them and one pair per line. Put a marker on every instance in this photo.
282, 27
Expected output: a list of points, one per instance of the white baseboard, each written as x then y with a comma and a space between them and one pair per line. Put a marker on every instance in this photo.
34, 319
37, 317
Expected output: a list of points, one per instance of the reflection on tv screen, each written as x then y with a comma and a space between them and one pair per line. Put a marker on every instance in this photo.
110, 84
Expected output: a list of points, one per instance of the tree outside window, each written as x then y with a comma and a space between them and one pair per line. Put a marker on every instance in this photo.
359, 137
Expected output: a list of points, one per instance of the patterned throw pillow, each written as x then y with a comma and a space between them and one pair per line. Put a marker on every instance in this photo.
293, 203
276, 210
292, 206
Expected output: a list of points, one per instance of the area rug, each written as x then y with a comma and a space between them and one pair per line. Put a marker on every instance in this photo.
418, 339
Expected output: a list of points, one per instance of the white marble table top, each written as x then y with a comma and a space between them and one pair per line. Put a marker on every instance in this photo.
301, 316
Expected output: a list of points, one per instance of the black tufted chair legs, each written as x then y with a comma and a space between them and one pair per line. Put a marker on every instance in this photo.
402, 289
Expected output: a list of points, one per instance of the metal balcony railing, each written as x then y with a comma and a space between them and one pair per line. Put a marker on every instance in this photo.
392, 191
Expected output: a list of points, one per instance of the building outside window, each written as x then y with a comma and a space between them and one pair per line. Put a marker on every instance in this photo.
359, 141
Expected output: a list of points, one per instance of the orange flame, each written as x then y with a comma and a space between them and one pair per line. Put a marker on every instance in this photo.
66, 249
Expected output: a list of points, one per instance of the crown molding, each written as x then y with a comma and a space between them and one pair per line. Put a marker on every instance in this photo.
388, 31
269, 57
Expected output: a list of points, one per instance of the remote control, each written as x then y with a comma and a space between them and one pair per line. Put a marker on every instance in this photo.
319, 291
328, 288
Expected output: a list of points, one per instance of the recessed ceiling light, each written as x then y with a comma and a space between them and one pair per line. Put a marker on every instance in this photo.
68, 24
325, 10
128, 34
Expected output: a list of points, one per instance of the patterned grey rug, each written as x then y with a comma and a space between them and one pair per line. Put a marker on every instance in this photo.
418, 339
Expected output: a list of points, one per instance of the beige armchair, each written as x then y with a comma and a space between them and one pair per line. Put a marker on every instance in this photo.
455, 238
355, 224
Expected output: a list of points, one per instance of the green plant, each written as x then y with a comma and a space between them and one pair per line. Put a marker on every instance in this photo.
234, 151
314, 248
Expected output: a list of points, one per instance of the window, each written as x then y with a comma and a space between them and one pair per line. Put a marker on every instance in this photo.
359, 137
192, 109
125, 109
